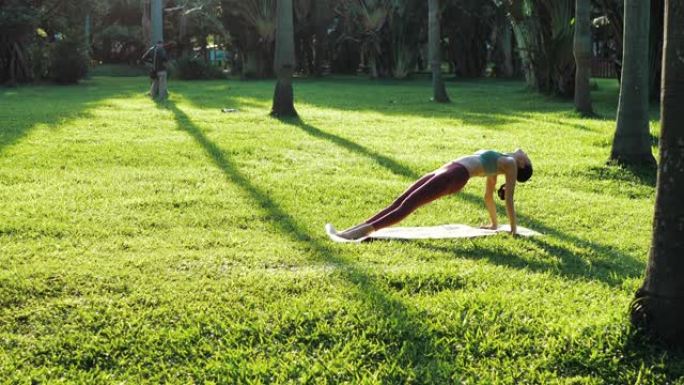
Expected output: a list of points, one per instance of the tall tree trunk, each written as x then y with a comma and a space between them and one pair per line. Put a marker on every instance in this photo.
373, 66
159, 86
283, 96
157, 17
506, 42
87, 32
146, 22
320, 51
658, 306
439, 93
251, 67
322, 21
583, 55
655, 53
632, 143
183, 43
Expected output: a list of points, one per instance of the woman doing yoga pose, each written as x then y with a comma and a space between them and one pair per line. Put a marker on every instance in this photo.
450, 178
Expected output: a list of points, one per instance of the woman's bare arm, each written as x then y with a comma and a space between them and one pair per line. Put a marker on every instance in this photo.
489, 202
511, 169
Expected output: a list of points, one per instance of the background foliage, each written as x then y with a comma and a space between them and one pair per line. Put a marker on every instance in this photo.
383, 38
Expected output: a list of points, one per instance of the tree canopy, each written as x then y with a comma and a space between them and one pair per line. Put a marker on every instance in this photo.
383, 38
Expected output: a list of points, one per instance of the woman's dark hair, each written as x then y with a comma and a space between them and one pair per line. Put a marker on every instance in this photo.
524, 174
502, 192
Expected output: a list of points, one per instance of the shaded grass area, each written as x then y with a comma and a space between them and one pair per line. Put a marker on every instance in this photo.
26, 108
174, 243
402, 321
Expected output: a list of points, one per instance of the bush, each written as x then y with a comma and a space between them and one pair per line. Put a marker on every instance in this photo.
68, 62
118, 70
190, 68
119, 44
40, 61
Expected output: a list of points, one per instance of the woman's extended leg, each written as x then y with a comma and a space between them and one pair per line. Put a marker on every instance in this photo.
438, 186
397, 202
427, 189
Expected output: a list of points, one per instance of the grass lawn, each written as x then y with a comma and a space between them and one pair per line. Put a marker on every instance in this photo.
173, 243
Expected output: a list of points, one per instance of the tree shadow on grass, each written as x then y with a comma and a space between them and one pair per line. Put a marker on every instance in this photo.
615, 267
646, 176
611, 270
415, 344
486, 104
410, 338
569, 266
25, 107
388, 163
655, 354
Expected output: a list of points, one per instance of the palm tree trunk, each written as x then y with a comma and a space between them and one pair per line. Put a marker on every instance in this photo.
87, 32
655, 53
506, 41
632, 144
322, 21
183, 43
157, 17
283, 96
658, 306
147, 23
582, 50
439, 93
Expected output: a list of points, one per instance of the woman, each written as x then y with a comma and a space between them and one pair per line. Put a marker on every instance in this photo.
449, 179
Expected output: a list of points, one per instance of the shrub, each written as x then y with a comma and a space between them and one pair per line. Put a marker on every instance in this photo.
68, 62
40, 61
119, 44
118, 70
190, 68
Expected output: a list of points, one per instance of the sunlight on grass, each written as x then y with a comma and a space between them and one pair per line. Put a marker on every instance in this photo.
174, 243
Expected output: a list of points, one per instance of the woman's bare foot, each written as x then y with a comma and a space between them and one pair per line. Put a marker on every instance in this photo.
357, 232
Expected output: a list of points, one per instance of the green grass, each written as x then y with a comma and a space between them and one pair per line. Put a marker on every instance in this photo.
173, 243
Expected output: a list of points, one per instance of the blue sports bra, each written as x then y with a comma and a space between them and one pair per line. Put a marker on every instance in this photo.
488, 158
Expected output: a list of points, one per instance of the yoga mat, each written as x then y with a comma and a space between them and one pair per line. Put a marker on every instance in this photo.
431, 232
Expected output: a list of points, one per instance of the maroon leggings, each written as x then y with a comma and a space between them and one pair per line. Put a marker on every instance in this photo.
423, 191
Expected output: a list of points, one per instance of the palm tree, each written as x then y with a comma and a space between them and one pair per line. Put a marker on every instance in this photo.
658, 306
252, 25
632, 144
504, 41
582, 50
371, 17
146, 23
283, 96
438, 90
543, 35
157, 18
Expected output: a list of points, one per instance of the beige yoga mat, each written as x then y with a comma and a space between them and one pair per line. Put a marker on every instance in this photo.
430, 232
